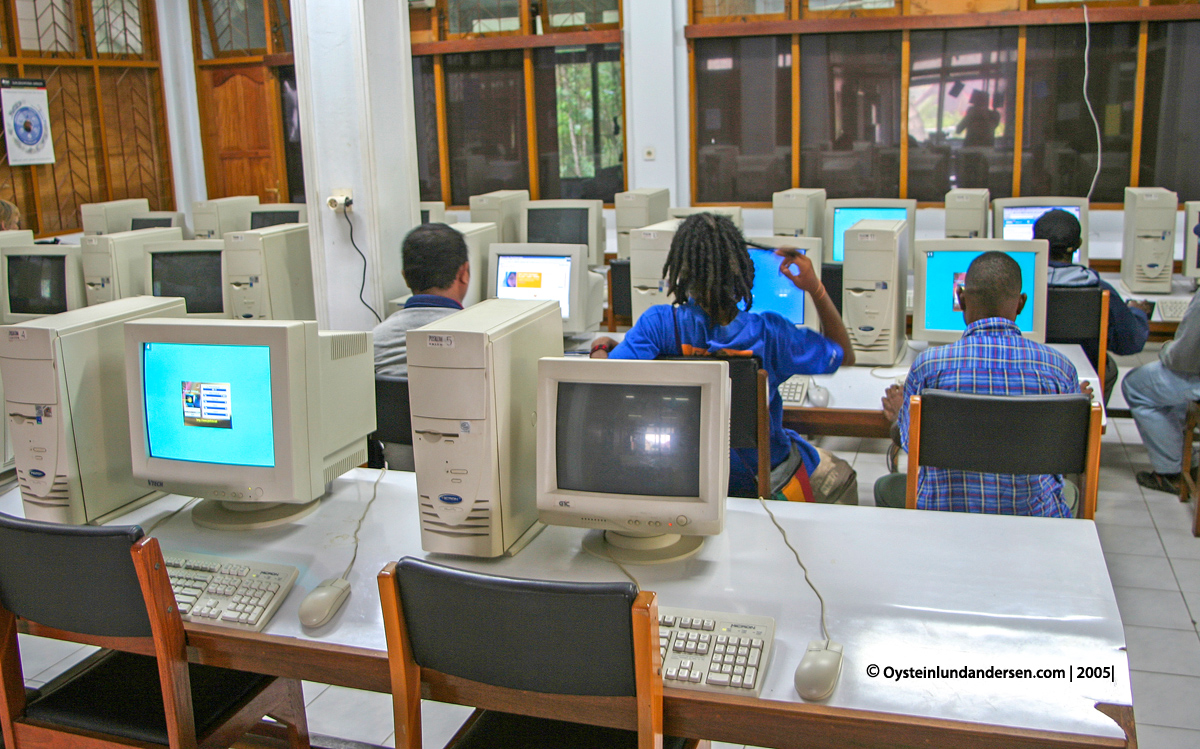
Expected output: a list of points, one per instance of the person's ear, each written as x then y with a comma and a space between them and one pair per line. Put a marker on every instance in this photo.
464, 273
1021, 303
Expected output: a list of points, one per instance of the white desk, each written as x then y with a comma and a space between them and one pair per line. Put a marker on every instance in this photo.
1181, 288
904, 589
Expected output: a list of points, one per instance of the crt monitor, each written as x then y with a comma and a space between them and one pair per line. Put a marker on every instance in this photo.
549, 272
192, 270
160, 219
775, 292
566, 222
1013, 218
41, 280
940, 268
256, 417
273, 214
843, 213
637, 450
111, 216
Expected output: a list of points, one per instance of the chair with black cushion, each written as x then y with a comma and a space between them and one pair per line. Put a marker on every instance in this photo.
392, 438
620, 294
1023, 435
546, 664
1080, 315
108, 586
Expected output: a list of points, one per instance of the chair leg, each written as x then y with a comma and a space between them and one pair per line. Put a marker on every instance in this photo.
1189, 434
291, 714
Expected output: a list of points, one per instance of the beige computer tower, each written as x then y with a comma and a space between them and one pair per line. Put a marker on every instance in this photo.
967, 212
1148, 252
114, 265
472, 379
798, 212
874, 289
504, 208
268, 274
637, 208
648, 249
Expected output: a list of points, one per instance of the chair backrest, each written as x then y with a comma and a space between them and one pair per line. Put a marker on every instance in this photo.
534, 635
78, 578
1073, 313
743, 404
619, 280
393, 416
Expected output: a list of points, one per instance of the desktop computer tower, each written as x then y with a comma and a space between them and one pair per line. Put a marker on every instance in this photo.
67, 413
648, 248
268, 274
798, 212
502, 208
1148, 252
637, 208
213, 219
114, 265
874, 290
472, 379
967, 212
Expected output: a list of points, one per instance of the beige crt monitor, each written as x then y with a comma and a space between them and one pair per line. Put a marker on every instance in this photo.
1013, 218
473, 384
111, 216
843, 213
257, 417
549, 272
811, 248
114, 264
40, 280
967, 212
268, 274
1191, 258
798, 212
65, 404
874, 283
638, 450
193, 269
213, 219
1148, 251
566, 222
504, 208
648, 249
434, 212
274, 214
732, 212
159, 220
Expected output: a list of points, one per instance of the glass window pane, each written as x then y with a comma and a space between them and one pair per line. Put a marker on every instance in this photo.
485, 112
961, 111
1059, 152
229, 28
850, 114
1170, 148
581, 141
569, 13
48, 26
118, 25
718, 8
743, 118
849, 4
482, 16
429, 173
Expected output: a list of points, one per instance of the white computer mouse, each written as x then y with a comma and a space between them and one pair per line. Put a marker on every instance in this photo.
319, 606
819, 669
818, 395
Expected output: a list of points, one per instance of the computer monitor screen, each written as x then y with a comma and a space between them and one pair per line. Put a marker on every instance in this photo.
195, 276
208, 403
150, 223
37, 284
629, 439
558, 226
845, 217
263, 219
773, 291
538, 277
1018, 221
946, 274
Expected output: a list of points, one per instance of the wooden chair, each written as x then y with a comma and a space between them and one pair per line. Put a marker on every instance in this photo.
547, 664
1187, 485
1079, 315
1023, 435
108, 586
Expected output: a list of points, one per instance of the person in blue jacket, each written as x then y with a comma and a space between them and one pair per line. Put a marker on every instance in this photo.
1128, 323
710, 275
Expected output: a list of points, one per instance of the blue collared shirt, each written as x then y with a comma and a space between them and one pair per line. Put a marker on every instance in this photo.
992, 359
431, 300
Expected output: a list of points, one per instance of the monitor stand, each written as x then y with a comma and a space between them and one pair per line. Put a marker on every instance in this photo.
668, 547
248, 516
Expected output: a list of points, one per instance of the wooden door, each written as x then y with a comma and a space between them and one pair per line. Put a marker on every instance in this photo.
242, 132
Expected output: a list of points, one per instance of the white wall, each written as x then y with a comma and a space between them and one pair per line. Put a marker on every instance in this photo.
655, 74
182, 105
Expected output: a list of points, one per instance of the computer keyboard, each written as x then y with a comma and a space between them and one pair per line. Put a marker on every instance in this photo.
224, 592
1171, 309
794, 390
711, 651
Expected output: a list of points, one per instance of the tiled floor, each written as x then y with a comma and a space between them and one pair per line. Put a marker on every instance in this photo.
1152, 558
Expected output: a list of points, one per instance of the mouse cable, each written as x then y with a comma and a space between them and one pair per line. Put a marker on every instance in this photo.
164, 519
824, 630
363, 287
627, 572
363, 516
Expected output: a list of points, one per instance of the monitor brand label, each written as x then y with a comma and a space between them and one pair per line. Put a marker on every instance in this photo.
450, 499
37, 474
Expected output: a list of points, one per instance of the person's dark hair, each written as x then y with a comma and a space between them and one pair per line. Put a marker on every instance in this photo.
709, 262
432, 255
1062, 230
993, 281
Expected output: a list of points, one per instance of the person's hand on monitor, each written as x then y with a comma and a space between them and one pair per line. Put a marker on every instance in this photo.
893, 400
799, 269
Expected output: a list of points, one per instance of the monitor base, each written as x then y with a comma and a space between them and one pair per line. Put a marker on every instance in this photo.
248, 516
668, 547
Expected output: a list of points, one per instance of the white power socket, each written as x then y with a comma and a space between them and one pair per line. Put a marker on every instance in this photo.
341, 199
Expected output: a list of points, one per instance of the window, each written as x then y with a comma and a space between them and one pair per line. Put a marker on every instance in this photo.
231, 28
429, 173
725, 8
569, 14
1170, 148
482, 16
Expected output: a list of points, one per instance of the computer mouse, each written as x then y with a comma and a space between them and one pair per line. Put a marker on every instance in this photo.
818, 395
323, 601
819, 669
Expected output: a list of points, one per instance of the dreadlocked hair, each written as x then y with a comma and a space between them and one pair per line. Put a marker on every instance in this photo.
709, 262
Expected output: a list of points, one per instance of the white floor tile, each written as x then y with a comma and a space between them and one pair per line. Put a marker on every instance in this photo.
1129, 539
1144, 607
1187, 573
843, 447
1119, 511
440, 721
1192, 600
877, 446
1136, 571
1180, 544
42, 654
1168, 511
1161, 737
312, 690
1166, 700
351, 714
1166, 651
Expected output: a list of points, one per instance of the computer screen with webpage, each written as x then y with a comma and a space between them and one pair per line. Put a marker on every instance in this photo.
846, 217
536, 277
1018, 221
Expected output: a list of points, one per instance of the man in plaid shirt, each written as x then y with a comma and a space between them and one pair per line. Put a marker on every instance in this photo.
991, 358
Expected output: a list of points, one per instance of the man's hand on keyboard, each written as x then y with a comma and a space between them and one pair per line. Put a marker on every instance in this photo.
893, 401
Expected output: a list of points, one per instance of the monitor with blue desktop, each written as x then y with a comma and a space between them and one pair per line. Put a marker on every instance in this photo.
775, 292
1013, 218
941, 268
843, 213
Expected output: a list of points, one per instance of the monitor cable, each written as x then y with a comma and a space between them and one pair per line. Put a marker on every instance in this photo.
363, 287
167, 517
1087, 47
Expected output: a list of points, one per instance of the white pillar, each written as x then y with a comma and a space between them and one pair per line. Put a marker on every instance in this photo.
182, 104
354, 80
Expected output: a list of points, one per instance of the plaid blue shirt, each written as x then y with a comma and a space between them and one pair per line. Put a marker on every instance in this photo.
991, 359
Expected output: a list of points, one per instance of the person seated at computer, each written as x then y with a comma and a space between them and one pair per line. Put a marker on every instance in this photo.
10, 216
709, 273
437, 270
1128, 322
991, 358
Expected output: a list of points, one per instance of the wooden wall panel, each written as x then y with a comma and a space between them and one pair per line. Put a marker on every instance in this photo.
138, 158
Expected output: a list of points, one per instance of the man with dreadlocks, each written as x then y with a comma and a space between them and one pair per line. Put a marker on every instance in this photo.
709, 273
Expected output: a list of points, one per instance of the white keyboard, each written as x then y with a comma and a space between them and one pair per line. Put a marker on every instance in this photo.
226, 592
1171, 309
794, 390
712, 651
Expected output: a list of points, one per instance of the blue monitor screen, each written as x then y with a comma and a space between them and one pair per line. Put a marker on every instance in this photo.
844, 218
208, 403
773, 291
1018, 221
945, 272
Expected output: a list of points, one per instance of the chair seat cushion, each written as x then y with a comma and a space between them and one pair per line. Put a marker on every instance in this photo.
496, 729
121, 695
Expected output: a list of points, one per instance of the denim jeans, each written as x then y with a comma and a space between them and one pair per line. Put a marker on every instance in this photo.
1158, 398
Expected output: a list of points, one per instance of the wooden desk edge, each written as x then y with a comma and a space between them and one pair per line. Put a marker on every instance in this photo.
846, 422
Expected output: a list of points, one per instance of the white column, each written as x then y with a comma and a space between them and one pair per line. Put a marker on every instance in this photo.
354, 80
182, 104
655, 77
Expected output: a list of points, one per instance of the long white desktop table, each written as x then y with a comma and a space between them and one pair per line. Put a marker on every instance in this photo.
905, 589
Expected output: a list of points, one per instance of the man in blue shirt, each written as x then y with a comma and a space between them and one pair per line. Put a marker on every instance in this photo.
991, 358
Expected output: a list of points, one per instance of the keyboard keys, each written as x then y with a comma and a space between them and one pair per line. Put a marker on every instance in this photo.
701, 650
232, 593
